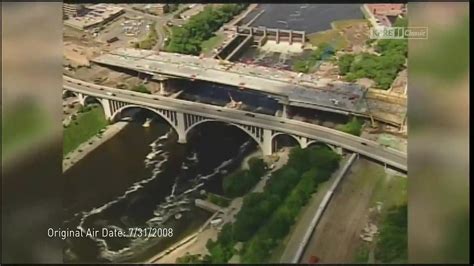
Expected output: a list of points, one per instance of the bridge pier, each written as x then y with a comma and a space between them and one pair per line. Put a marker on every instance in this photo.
303, 39
266, 144
182, 139
107, 108
81, 98
277, 36
264, 37
162, 87
290, 38
285, 111
303, 142
181, 128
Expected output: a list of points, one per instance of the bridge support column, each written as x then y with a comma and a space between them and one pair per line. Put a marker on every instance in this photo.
284, 112
181, 130
81, 98
162, 87
107, 108
303, 142
303, 39
277, 36
290, 38
266, 144
339, 150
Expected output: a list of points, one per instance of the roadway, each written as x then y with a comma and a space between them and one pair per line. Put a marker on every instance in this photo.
284, 85
356, 144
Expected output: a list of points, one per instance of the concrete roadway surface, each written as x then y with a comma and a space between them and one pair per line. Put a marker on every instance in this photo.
280, 84
353, 143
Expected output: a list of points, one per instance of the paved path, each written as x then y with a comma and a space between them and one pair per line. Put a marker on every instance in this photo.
337, 235
306, 216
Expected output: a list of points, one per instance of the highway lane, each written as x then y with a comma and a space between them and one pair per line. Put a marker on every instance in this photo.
279, 83
360, 145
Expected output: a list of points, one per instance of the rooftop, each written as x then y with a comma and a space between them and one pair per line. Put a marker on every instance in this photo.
386, 9
97, 14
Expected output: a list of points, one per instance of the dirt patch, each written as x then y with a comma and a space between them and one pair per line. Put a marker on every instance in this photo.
336, 237
76, 55
356, 32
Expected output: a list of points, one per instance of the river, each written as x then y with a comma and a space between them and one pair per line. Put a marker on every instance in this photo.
143, 178
310, 18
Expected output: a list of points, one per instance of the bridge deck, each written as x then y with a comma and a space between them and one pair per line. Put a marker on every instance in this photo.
356, 144
281, 84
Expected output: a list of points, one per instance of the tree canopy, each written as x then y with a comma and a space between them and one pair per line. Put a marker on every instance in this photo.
188, 38
382, 68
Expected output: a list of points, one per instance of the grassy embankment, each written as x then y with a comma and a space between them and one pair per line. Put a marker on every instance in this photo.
390, 245
87, 124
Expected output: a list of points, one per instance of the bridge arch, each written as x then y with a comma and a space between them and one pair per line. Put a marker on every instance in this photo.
318, 142
90, 99
298, 139
118, 111
253, 136
69, 93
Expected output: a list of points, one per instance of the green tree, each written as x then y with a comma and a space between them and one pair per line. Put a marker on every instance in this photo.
200, 27
344, 63
301, 66
353, 127
240, 182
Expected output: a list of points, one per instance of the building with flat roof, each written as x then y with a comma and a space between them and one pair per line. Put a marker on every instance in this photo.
96, 15
69, 10
157, 9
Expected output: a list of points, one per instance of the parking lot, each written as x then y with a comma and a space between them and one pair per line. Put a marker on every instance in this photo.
125, 30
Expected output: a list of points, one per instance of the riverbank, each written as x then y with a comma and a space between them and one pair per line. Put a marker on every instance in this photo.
85, 148
86, 123
197, 244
